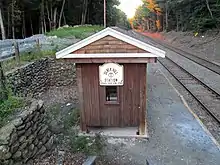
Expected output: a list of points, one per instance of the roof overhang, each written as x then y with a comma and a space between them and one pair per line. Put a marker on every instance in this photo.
67, 52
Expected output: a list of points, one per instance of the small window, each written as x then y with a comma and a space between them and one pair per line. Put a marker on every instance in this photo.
111, 93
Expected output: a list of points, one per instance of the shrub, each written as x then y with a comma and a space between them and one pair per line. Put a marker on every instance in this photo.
8, 107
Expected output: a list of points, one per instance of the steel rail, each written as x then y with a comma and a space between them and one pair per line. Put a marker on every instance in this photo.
203, 84
201, 61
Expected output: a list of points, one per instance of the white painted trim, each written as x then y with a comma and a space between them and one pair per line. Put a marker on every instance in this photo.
110, 55
109, 31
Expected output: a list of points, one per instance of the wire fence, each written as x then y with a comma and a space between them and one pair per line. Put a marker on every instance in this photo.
10, 48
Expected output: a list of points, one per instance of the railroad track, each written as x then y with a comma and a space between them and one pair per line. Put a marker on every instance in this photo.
206, 96
201, 61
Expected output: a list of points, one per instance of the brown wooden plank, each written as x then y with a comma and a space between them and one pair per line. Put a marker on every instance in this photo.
121, 101
80, 96
143, 99
109, 44
117, 60
91, 94
131, 95
110, 113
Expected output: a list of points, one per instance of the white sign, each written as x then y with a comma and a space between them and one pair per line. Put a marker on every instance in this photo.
111, 74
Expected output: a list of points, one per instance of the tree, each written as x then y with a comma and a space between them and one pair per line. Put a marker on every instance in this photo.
2, 25
61, 12
84, 11
142, 19
23, 18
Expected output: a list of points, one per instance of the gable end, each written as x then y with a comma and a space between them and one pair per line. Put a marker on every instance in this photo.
109, 44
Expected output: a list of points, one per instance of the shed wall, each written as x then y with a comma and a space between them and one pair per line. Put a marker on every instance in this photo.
132, 97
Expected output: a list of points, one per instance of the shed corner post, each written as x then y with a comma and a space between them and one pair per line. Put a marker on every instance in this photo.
143, 101
80, 95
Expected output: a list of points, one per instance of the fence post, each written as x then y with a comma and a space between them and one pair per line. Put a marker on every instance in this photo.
17, 53
38, 44
3, 89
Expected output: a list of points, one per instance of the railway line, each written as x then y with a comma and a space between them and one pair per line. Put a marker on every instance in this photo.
206, 96
201, 61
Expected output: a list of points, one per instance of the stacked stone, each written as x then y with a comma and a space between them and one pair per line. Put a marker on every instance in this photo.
29, 80
25, 138
62, 73
35, 78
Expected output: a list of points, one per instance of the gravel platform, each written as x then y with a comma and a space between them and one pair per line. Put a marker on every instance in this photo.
176, 137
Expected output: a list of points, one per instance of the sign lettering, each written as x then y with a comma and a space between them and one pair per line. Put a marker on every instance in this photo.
111, 74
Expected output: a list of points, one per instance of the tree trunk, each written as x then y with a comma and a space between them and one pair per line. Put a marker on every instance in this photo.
42, 16
32, 31
177, 22
9, 23
167, 24
2, 25
45, 26
55, 18
3, 89
208, 7
64, 19
12, 19
84, 12
23, 26
48, 16
61, 13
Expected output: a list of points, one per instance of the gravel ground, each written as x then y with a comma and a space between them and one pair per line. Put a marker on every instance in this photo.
203, 74
60, 95
62, 158
206, 45
211, 125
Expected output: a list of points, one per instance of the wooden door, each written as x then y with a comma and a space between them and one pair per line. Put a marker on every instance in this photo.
109, 106
132, 89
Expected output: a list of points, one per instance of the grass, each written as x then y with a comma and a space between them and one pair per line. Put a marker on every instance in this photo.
8, 107
79, 32
72, 119
26, 58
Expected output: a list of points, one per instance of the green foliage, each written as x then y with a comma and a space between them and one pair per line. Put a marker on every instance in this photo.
34, 11
72, 119
193, 15
80, 32
141, 14
182, 15
7, 108
116, 17
88, 145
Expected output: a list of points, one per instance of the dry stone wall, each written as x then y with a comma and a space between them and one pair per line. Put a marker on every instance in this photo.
35, 78
61, 73
26, 137
29, 80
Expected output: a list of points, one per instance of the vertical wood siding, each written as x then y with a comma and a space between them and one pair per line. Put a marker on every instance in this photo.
131, 96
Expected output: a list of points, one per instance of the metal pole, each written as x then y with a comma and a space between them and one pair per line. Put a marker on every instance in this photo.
104, 13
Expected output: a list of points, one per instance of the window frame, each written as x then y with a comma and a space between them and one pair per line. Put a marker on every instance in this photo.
112, 102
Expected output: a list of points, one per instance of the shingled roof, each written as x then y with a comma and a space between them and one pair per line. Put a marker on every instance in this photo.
128, 36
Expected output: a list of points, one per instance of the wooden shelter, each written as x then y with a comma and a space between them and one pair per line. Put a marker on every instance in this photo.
111, 68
